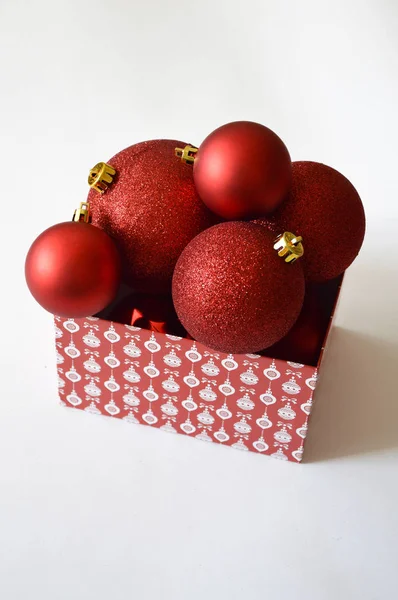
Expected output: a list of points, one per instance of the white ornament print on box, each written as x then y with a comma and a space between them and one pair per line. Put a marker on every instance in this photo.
247, 402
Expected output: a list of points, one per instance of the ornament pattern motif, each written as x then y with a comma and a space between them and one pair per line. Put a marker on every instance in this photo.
249, 402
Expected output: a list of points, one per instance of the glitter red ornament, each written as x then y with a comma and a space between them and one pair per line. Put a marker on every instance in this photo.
152, 210
242, 170
326, 210
233, 292
73, 269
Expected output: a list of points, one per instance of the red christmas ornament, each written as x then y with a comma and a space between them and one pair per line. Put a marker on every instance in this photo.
326, 210
242, 170
73, 269
152, 210
233, 292
268, 223
303, 343
147, 311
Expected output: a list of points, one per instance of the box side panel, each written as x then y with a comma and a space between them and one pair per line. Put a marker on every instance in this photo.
313, 382
331, 322
247, 401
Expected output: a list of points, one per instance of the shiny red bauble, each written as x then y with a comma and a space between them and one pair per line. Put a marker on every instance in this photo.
303, 343
326, 210
147, 311
233, 292
152, 210
73, 269
242, 170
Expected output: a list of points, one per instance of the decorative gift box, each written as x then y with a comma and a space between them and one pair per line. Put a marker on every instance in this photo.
232, 257
247, 401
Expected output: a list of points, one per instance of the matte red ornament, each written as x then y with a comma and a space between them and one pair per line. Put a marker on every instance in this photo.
242, 170
233, 292
148, 311
152, 210
326, 210
73, 269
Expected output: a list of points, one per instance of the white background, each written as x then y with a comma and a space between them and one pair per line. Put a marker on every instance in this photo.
93, 508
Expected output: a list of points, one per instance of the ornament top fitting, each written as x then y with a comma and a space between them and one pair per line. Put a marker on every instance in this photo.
82, 214
187, 154
101, 177
289, 246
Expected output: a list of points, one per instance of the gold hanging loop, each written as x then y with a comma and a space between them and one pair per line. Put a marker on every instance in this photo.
82, 214
187, 154
289, 246
101, 177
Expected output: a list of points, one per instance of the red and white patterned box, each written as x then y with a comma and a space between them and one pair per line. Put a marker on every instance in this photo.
247, 401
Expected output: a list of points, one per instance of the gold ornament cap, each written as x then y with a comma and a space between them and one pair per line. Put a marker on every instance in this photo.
101, 177
187, 154
289, 246
82, 214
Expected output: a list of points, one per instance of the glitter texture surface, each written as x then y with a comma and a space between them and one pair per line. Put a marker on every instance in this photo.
326, 210
152, 211
233, 292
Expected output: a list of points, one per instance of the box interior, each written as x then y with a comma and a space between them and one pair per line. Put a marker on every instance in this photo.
303, 344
